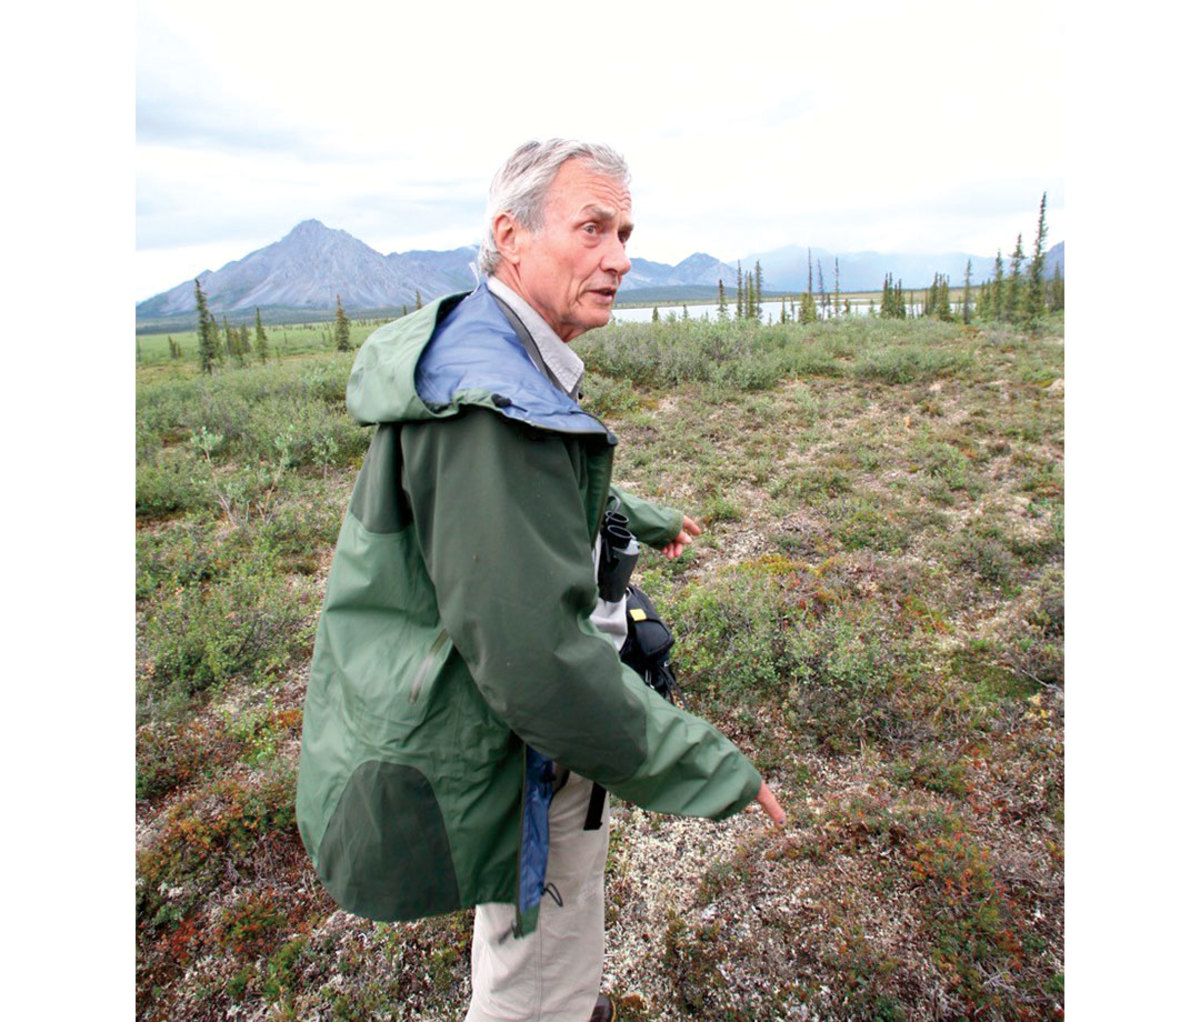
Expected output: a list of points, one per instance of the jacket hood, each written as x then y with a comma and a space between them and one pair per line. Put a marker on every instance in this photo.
382, 386
460, 350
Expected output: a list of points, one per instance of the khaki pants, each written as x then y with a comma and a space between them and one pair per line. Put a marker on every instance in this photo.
553, 974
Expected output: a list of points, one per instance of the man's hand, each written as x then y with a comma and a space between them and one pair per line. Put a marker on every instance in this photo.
766, 798
675, 547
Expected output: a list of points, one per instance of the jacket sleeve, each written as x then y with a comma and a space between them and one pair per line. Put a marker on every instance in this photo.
503, 535
651, 523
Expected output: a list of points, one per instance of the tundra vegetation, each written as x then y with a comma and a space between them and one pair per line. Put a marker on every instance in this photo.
874, 614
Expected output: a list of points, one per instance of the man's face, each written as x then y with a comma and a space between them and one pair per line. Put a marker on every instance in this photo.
569, 271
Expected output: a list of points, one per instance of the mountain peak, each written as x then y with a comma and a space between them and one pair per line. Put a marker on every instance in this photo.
310, 226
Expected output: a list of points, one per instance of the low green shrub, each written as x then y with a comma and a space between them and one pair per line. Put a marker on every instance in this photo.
774, 631
987, 558
910, 364
247, 625
296, 532
731, 638
860, 523
169, 485
184, 552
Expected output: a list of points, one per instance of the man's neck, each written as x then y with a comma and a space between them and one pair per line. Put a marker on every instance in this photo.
561, 363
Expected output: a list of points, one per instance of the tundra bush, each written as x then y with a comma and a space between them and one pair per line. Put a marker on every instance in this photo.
169, 485
247, 625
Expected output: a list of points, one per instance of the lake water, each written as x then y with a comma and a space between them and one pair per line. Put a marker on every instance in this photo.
770, 312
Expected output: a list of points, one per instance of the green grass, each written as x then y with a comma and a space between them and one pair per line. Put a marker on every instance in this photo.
874, 614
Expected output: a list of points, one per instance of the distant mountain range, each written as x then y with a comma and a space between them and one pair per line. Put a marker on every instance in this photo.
301, 276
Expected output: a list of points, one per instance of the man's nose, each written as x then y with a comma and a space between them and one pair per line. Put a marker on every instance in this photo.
615, 260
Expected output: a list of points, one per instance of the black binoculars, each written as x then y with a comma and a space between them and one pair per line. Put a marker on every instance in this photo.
618, 555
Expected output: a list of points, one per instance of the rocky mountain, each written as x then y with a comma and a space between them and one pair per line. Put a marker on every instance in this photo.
698, 268
303, 274
308, 269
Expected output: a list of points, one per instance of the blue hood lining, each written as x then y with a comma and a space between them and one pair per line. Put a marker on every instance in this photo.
474, 351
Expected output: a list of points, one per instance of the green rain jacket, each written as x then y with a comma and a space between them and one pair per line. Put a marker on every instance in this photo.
455, 659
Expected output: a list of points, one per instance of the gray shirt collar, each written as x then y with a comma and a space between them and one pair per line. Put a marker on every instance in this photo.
561, 362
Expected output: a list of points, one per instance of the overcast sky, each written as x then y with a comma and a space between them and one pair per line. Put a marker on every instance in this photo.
917, 127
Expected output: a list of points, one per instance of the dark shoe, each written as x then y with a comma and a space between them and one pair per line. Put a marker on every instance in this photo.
604, 1010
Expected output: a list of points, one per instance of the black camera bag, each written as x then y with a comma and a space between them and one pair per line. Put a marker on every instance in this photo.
647, 647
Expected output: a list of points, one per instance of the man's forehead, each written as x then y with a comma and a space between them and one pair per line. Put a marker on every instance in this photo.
578, 188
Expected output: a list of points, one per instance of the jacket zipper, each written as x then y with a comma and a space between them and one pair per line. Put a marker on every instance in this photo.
517, 929
427, 665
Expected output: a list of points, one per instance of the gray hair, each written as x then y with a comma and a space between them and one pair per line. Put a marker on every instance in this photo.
520, 186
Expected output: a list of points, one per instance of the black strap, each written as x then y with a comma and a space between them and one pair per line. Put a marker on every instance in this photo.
595, 810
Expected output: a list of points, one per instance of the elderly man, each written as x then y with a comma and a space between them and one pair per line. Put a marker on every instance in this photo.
467, 707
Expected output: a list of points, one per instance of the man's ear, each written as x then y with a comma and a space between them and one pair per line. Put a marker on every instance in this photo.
507, 233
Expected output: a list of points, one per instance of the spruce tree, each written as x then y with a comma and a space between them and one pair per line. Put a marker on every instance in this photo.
966, 298
837, 288
1012, 303
418, 298
741, 301
260, 338
996, 290
1035, 295
1058, 291
206, 348
757, 289
943, 300
215, 333
808, 308
722, 304
341, 330
821, 291
233, 346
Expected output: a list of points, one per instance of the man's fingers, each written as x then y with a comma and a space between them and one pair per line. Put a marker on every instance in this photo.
766, 798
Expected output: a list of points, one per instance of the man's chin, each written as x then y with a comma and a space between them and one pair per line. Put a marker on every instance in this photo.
595, 318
